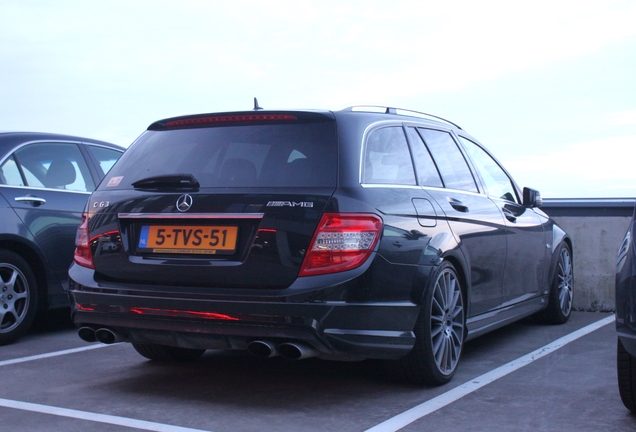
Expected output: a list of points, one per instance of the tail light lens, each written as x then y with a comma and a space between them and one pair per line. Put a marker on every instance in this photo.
83, 255
343, 241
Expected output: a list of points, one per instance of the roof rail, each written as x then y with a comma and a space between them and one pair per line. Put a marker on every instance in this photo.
397, 111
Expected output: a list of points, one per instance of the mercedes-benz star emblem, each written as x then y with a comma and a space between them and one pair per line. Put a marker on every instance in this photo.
184, 203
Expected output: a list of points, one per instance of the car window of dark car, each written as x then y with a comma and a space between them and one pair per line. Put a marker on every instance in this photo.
105, 156
387, 159
449, 160
427, 173
495, 179
10, 174
263, 155
54, 166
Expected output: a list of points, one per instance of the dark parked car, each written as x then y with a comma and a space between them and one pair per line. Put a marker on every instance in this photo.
348, 235
45, 180
626, 318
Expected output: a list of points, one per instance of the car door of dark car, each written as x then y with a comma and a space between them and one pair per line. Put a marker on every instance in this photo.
47, 185
410, 219
524, 275
475, 221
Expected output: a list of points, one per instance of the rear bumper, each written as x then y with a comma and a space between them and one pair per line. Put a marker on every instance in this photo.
335, 329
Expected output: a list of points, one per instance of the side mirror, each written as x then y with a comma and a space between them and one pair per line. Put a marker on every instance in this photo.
531, 198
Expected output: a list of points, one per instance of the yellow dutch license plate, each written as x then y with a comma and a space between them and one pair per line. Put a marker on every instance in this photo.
188, 239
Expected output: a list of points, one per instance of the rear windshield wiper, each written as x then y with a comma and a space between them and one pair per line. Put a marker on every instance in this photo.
168, 181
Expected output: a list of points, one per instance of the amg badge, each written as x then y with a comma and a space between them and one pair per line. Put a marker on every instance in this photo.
289, 204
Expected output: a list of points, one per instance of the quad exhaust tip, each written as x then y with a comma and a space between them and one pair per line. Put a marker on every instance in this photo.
103, 335
296, 351
262, 349
288, 350
107, 336
87, 334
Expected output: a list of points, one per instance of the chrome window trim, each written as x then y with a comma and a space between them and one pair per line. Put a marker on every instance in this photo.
44, 189
52, 141
389, 186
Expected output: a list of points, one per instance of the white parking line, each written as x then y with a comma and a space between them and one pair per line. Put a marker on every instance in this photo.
430, 406
53, 354
84, 415
94, 417
391, 425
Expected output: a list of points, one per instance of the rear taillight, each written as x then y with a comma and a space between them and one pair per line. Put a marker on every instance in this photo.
83, 255
343, 241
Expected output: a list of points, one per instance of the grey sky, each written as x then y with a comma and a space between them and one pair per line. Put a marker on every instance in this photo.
547, 86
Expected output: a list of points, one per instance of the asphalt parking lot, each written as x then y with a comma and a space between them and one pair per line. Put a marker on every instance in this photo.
525, 377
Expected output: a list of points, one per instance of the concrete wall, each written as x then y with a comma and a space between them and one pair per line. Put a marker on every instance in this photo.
597, 228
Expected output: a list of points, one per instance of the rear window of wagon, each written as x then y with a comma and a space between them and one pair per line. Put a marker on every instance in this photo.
263, 155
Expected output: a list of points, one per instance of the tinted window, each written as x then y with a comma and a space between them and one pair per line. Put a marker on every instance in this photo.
10, 174
105, 156
52, 165
449, 160
427, 173
387, 159
495, 179
276, 155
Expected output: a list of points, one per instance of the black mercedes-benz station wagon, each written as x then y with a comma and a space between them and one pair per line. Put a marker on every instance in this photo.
45, 180
363, 233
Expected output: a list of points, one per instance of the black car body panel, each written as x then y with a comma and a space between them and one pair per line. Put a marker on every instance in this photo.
372, 167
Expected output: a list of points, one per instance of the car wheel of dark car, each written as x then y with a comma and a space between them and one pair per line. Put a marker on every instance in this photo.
626, 368
560, 300
439, 331
167, 353
18, 296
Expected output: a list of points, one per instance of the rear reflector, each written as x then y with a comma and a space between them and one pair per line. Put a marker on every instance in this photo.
83, 254
229, 119
181, 313
343, 241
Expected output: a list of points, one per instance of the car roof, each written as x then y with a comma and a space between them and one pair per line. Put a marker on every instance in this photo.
9, 140
370, 112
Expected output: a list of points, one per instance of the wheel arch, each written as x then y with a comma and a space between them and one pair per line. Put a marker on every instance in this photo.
461, 266
34, 258
554, 259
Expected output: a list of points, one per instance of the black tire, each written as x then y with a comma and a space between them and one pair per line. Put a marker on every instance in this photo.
561, 289
167, 353
626, 368
439, 332
18, 296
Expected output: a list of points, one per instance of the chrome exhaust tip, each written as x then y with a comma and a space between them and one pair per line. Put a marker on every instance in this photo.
262, 349
87, 334
107, 336
296, 351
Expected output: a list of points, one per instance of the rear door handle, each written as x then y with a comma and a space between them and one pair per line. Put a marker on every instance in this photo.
458, 205
30, 199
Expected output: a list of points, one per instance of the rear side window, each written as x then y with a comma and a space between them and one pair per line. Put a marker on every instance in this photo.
270, 155
10, 173
427, 173
105, 156
387, 159
49, 165
449, 160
